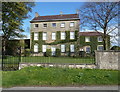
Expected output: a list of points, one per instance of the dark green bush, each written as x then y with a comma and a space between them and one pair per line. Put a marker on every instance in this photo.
48, 52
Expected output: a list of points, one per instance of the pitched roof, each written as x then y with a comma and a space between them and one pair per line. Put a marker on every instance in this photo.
55, 17
90, 33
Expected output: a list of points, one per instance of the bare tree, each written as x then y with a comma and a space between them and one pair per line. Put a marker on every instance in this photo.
100, 16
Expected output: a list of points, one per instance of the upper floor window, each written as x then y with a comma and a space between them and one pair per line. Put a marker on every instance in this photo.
53, 24
62, 25
45, 25
35, 36
72, 35
36, 25
53, 36
88, 49
62, 35
72, 48
100, 47
62, 48
36, 48
100, 39
71, 24
87, 39
44, 36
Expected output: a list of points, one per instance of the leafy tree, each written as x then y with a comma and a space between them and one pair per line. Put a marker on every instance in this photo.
100, 16
13, 14
115, 48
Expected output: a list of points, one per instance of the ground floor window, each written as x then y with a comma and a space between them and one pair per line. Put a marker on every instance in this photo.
72, 48
88, 49
36, 48
62, 48
44, 47
100, 47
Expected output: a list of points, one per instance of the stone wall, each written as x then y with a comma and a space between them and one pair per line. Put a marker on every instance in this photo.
81, 66
107, 59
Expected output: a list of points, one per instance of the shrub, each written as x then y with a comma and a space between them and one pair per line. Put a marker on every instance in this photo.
58, 52
27, 52
48, 52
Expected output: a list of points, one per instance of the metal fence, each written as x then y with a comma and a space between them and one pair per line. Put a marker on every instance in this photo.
11, 62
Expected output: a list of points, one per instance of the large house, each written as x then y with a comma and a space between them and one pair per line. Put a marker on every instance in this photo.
60, 33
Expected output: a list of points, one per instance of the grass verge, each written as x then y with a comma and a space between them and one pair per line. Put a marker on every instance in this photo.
41, 76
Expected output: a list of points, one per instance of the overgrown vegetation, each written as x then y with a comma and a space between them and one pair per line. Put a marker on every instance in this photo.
41, 76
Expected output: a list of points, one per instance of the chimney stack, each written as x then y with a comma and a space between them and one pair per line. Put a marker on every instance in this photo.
36, 14
61, 13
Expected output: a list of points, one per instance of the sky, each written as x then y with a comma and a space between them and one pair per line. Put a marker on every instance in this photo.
50, 8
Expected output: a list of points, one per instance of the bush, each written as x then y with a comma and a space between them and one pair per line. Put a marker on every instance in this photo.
58, 53
27, 52
48, 53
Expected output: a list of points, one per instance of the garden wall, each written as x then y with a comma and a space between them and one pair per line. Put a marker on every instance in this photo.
81, 66
107, 59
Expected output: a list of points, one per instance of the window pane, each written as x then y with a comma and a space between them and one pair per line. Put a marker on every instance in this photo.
62, 35
71, 24
54, 24
43, 48
53, 36
72, 35
87, 39
36, 48
62, 48
36, 25
88, 49
62, 24
44, 36
100, 39
44, 25
100, 47
71, 48
35, 36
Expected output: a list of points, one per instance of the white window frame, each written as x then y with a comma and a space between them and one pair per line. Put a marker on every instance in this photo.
35, 35
62, 25
53, 36
86, 39
72, 24
36, 48
44, 48
72, 48
98, 38
44, 35
44, 26
72, 35
99, 46
55, 24
86, 49
63, 35
62, 48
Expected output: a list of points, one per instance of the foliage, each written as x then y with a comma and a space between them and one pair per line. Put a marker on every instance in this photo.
115, 48
13, 14
48, 52
41, 76
100, 16
58, 52
27, 52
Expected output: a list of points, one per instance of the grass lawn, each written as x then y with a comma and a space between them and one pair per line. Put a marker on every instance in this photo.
41, 59
57, 59
41, 76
